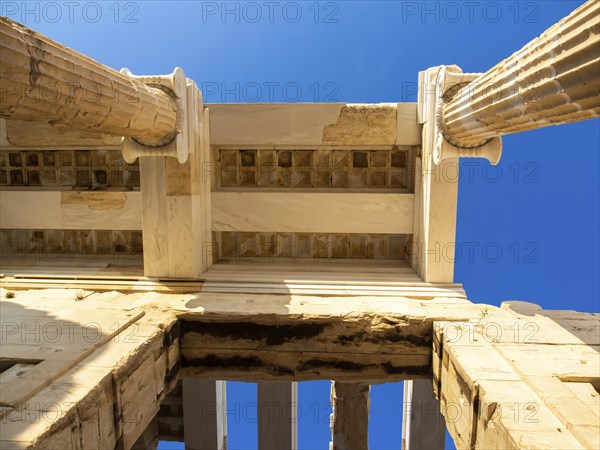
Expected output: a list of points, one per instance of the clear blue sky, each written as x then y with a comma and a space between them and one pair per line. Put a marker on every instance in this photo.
539, 208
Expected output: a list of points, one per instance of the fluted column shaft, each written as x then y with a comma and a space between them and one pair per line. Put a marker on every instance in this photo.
44, 81
349, 421
554, 79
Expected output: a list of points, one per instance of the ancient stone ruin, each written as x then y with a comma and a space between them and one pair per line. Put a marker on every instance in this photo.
154, 246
